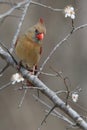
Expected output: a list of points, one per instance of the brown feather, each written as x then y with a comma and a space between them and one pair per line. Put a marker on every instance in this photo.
28, 48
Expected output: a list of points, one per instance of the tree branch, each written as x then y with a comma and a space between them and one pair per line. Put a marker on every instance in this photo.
45, 6
12, 9
80, 122
58, 45
56, 113
27, 3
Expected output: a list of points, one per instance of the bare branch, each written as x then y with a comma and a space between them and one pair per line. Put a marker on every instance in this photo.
71, 124
49, 74
44, 120
45, 6
2, 44
7, 57
12, 9
22, 99
5, 86
58, 45
80, 122
60, 116
27, 3
3, 69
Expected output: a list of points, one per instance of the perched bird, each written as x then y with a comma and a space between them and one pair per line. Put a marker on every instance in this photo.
29, 46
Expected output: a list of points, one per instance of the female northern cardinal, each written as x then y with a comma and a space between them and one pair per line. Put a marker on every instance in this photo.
29, 46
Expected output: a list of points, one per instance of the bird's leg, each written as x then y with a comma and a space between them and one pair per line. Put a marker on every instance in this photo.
33, 71
20, 63
18, 66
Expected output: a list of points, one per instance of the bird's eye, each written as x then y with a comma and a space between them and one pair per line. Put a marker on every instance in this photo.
36, 31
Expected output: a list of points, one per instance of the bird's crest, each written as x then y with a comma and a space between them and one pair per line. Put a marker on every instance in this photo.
41, 20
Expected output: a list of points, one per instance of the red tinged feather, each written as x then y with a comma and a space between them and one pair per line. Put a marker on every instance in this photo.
41, 21
40, 50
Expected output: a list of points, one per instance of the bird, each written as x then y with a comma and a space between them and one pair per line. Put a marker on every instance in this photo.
28, 47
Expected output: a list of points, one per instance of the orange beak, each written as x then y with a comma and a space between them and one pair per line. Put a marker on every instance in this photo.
40, 36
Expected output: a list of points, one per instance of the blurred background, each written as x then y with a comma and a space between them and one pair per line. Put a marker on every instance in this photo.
70, 58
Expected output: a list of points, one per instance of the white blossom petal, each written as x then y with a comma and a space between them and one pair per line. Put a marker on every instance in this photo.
73, 17
69, 12
16, 78
75, 97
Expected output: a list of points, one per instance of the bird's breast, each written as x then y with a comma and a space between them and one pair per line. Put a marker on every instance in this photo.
28, 51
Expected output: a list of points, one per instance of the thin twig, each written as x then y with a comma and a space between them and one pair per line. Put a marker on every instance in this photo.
67, 87
3, 69
52, 52
61, 91
48, 74
3, 45
73, 27
45, 6
58, 45
22, 99
73, 125
60, 116
28, 87
20, 24
18, 5
44, 120
3, 19
65, 83
5, 86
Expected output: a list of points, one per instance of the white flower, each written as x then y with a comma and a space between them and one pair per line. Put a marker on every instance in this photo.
69, 12
75, 97
16, 78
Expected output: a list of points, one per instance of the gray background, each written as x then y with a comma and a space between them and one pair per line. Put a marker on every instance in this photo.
71, 58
